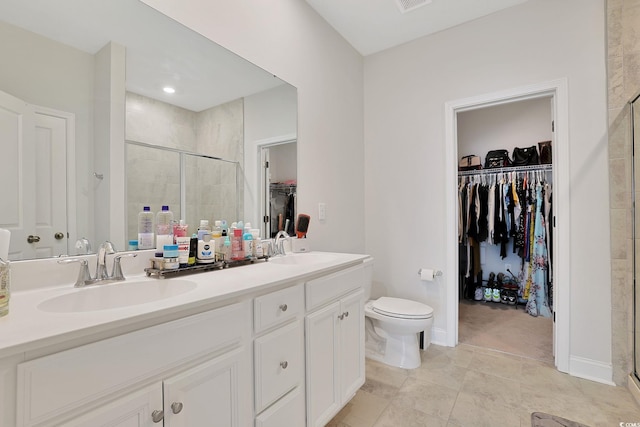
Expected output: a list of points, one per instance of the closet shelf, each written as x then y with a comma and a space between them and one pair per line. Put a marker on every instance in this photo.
546, 167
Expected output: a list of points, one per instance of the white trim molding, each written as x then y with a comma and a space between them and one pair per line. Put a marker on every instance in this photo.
591, 370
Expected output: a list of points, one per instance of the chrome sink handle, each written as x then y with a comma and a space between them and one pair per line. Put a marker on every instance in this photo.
117, 268
84, 276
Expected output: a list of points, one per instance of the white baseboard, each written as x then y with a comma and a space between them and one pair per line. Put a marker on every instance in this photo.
438, 337
591, 370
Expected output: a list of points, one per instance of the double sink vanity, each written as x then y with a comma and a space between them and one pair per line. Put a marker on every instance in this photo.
276, 343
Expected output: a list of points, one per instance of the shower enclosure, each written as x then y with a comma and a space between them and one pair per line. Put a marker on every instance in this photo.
635, 173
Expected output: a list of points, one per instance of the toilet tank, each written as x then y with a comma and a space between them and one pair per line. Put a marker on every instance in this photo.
368, 277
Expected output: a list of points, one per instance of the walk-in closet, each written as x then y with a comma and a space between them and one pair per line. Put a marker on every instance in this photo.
505, 227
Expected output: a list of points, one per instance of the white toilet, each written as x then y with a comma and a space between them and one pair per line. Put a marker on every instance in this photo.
392, 326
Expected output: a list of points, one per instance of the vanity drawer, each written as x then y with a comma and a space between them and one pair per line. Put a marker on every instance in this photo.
288, 411
278, 364
328, 288
277, 307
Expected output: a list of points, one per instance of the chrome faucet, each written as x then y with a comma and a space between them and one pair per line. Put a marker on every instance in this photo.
279, 242
101, 260
84, 276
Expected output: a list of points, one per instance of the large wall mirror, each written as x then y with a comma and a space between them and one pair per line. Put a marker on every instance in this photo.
90, 136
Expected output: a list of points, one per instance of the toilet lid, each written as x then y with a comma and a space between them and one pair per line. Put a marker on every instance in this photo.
398, 307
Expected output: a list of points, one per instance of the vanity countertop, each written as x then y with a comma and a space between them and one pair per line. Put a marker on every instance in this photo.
27, 327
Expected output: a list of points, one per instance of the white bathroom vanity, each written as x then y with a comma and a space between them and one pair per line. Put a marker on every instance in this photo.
276, 343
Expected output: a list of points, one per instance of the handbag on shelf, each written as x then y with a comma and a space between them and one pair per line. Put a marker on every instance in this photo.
468, 163
545, 152
525, 156
497, 159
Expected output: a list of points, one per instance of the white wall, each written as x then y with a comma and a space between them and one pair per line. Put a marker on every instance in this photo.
406, 89
50, 74
288, 39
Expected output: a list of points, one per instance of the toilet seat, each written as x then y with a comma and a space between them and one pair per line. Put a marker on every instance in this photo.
402, 308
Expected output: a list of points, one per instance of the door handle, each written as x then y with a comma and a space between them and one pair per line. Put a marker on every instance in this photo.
59, 235
33, 239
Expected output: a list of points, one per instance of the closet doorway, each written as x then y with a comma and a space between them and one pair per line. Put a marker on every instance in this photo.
278, 187
554, 97
505, 248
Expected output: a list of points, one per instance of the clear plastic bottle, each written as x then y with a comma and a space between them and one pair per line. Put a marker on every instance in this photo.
180, 229
237, 251
146, 235
204, 228
216, 235
164, 228
247, 241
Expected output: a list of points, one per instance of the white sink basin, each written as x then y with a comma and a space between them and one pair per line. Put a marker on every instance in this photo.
309, 258
116, 295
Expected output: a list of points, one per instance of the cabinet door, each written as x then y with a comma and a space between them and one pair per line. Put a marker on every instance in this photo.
351, 345
322, 347
132, 410
216, 392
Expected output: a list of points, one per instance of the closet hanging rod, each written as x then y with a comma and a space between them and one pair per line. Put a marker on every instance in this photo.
506, 170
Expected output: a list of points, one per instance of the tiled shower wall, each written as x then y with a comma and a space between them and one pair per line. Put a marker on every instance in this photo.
623, 70
218, 132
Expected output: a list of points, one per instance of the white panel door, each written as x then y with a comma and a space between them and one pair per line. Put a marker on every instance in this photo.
17, 166
51, 185
352, 345
322, 353
214, 393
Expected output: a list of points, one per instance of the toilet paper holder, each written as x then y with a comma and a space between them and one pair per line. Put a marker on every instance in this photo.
436, 273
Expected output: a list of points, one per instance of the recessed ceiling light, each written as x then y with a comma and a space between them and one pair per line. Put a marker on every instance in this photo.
168, 89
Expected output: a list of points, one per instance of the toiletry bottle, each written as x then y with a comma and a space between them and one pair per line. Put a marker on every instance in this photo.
226, 249
216, 235
193, 249
184, 244
164, 228
180, 230
146, 236
206, 249
257, 243
204, 228
247, 241
5, 287
237, 251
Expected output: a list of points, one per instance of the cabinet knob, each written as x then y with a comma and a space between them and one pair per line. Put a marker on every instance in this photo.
341, 316
176, 407
157, 416
346, 314
284, 364
283, 307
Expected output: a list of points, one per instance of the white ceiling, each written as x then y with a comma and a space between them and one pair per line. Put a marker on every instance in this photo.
374, 25
159, 50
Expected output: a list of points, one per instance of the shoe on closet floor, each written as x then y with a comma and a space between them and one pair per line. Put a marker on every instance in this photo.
496, 295
479, 295
487, 294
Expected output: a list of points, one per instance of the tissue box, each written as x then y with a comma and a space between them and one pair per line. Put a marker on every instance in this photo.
300, 245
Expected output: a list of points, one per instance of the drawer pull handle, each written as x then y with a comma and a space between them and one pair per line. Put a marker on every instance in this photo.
283, 307
284, 364
176, 407
341, 316
346, 314
157, 416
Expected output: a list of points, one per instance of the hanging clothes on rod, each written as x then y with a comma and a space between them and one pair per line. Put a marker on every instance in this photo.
500, 206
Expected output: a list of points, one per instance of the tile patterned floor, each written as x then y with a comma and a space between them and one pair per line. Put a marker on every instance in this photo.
473, 386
